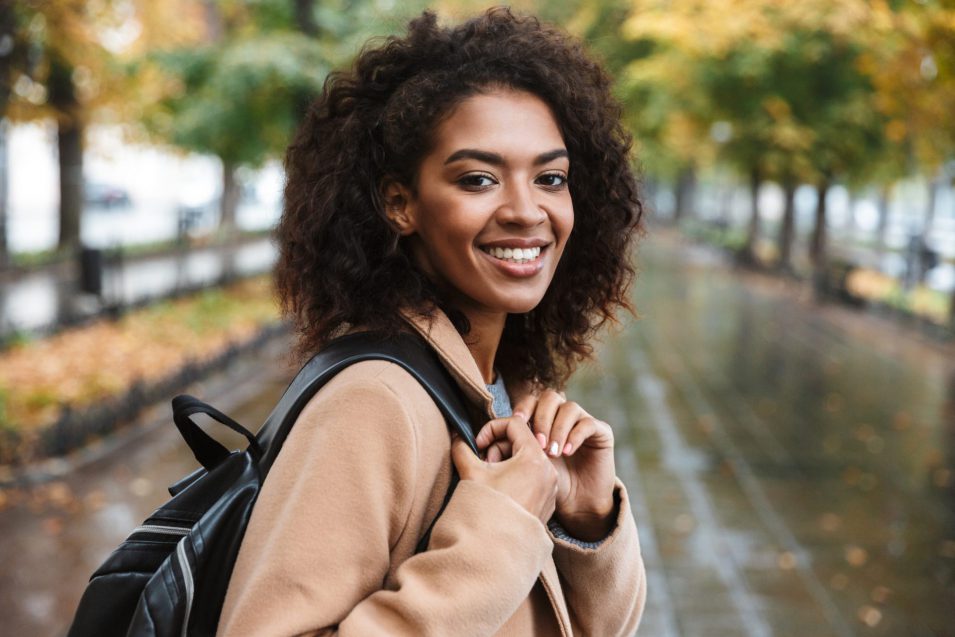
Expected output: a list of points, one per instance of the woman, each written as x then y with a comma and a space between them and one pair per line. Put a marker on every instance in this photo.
471, 184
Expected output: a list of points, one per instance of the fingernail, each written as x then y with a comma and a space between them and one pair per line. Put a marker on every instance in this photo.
554, 447
567, 449
520, 414
542, 440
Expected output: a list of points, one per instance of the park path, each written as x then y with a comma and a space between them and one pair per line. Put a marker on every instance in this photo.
791, 467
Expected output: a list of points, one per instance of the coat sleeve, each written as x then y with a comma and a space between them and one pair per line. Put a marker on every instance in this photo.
336, 502
605, 587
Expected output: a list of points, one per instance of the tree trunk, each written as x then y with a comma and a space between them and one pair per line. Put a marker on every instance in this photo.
851, 227
230, 200
228, 205
69, 138
305, 17
787, 229
685, 193
885, 193
4, 248
305, 21
951, 313
7, 24
752, 234
817, 245
933, 184
213, 21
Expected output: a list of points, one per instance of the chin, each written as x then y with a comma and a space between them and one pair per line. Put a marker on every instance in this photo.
519, 306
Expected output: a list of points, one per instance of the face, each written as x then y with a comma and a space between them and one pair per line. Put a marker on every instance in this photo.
492, 211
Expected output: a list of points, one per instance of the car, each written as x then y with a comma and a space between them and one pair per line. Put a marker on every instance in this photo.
107, 196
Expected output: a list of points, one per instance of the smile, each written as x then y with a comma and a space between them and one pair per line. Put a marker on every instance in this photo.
514, 255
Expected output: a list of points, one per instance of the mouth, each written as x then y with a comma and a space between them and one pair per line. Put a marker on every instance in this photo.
515, 255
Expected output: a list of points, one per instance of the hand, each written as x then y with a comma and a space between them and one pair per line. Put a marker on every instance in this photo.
581, 449
526, 475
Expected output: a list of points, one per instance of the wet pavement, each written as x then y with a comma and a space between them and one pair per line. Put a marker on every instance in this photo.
791, 468
57, 533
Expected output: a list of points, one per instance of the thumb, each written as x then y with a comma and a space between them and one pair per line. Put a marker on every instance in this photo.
463, 457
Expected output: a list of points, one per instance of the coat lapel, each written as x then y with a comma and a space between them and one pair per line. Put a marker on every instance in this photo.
438, 330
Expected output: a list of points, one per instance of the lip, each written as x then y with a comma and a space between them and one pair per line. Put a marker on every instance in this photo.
516, 270
517, 242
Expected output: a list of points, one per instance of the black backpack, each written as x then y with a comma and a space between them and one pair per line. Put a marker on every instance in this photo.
169, 577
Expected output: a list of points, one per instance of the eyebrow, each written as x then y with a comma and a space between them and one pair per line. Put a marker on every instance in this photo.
497, 160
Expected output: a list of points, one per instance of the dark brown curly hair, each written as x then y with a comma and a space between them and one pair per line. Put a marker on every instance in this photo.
341, 261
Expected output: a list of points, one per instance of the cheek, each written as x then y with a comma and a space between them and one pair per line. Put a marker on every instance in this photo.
564, 224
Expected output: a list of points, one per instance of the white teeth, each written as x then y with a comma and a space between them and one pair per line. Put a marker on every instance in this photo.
514, 255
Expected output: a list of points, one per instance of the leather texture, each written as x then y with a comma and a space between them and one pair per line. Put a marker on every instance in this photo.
170, 576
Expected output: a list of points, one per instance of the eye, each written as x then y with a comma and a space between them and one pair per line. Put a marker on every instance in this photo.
476, 181
553, 181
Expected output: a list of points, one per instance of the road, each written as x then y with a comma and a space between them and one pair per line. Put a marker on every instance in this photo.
791, 467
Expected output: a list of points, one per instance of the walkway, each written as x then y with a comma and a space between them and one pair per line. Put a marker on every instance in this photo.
791, 468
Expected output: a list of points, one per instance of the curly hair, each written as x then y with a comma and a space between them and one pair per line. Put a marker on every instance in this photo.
341, 262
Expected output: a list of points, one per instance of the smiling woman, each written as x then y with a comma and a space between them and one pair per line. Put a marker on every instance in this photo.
491, 211
472, 185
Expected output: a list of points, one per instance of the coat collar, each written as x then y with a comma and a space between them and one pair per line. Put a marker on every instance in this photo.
436, 328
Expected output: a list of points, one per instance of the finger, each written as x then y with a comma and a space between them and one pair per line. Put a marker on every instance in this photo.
513, 429
583, 430
543, 418
463, 458
525, 407
500, 450
567, 416
491, 431
590, 432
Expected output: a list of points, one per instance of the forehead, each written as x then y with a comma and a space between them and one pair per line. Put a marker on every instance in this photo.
512, 123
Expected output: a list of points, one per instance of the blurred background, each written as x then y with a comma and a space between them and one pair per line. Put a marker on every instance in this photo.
784, 404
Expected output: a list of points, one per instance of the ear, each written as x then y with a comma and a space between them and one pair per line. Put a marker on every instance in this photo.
398, 206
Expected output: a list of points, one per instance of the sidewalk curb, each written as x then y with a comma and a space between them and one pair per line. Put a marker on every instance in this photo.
81, 437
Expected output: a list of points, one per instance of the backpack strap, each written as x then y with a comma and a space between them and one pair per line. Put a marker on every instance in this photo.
409, 351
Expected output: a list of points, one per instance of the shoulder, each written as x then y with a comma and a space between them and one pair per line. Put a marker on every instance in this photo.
375, 398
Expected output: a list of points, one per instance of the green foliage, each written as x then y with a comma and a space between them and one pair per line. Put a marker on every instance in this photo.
239, 101
240, 96
782, 86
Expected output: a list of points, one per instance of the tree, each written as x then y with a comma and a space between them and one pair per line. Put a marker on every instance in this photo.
238, 89
60, 71
7, 60
783, 79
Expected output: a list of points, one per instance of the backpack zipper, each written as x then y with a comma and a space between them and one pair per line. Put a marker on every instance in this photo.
187, 581
160, 530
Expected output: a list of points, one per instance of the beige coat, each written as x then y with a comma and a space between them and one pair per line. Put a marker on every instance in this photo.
330, 546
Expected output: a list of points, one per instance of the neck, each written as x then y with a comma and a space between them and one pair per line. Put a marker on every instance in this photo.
484, 338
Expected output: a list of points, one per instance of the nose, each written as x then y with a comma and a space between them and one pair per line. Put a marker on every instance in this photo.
519, 206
